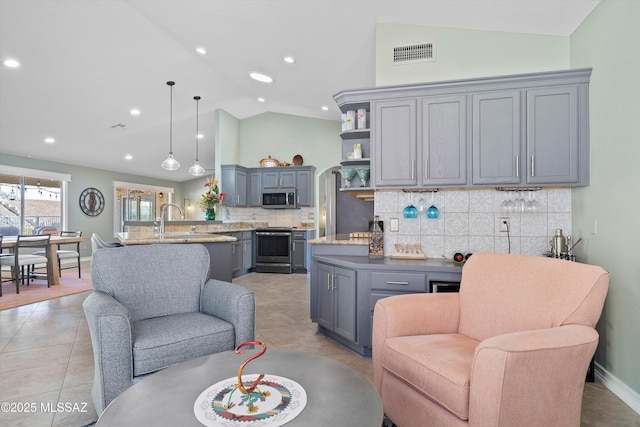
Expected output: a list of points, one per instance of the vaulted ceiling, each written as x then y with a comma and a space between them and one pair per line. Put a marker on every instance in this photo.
84, 64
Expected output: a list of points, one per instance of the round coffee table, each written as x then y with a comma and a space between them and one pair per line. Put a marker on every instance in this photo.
336, 393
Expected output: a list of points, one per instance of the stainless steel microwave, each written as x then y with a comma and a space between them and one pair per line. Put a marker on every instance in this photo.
283, 198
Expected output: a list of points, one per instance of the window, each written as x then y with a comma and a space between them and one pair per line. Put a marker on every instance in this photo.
31, 201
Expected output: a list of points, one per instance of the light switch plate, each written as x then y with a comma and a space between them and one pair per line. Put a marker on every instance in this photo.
394, 224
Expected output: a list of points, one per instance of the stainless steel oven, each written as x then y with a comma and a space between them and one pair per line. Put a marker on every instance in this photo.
273, 250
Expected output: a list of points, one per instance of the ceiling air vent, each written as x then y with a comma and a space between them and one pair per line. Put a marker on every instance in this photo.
413, 54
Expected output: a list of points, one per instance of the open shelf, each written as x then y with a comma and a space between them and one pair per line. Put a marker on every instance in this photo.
356, 162
355, 134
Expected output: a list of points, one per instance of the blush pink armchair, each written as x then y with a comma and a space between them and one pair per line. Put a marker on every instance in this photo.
511, 348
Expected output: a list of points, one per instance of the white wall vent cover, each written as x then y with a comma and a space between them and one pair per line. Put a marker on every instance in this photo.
412, 54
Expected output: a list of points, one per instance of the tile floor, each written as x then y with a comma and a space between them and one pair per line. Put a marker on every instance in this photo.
46, 356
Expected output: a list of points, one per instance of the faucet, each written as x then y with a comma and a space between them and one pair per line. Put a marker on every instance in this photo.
162, 215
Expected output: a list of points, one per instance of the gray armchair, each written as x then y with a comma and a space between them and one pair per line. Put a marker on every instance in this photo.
153, 306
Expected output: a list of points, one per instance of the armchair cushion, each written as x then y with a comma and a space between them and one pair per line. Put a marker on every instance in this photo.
437, 366
164, 341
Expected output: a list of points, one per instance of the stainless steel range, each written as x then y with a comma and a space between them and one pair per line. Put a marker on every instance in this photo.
273, 250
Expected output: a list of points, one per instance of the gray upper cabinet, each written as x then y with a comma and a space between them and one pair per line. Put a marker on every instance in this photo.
394, 152
496, 141
234, 184
552, 135
304, 186
520, 130
255, 188
278, 179
443, 136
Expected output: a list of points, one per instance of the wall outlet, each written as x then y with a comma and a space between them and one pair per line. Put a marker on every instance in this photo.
394, 224
311, 215
505, 224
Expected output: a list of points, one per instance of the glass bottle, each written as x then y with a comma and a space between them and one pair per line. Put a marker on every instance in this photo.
376, 240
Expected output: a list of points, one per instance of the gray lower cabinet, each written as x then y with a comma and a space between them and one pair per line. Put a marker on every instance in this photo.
300, 255
247, 250
336, 291
241, 252
345, 289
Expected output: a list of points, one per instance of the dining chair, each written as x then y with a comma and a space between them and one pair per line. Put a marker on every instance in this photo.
98, 243
17, 261
66, 253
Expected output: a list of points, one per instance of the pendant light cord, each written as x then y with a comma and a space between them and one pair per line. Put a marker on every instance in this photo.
171, 117
197, 98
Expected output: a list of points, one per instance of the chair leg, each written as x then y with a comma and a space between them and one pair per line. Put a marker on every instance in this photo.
79, 272
59, 268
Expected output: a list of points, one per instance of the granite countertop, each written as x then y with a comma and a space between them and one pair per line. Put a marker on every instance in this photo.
149, 237
338, 239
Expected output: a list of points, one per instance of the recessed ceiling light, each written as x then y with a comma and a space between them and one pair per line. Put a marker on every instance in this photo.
49, 140
11, 63
201, 50
325, 108
289, 59
261, 99
128, 157
135, 112
261, 77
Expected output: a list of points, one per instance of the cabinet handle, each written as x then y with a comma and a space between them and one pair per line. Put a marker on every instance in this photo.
333, 282
413, 169
425, 174
517, 166
329, 281
238, 199
392, 282
533, 165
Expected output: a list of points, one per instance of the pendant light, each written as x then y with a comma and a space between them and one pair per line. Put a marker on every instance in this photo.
196, 169
170, 163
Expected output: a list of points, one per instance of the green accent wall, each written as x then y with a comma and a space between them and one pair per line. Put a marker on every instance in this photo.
608, 41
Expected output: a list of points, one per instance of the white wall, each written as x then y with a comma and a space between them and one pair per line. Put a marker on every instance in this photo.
608, 41
462, 54
282, 136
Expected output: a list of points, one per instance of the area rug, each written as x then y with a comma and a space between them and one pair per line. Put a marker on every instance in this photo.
38, 291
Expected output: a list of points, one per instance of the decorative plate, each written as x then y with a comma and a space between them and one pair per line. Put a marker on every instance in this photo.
276, 401
297, 160
91, 201
269, 162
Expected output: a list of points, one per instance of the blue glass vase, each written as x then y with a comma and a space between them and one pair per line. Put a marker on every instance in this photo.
210, 214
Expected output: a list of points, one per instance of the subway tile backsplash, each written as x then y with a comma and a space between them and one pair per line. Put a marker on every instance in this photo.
469, 221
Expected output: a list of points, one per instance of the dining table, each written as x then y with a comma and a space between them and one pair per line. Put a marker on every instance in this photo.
53, 273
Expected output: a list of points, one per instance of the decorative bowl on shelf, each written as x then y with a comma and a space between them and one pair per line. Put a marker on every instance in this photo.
364, 174
350, 155
347, 175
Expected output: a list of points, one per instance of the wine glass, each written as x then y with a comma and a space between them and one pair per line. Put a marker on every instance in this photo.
347, 175
364, 174
410, 211
432, 211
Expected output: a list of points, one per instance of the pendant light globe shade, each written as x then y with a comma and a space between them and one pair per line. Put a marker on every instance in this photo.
196, 169
170, 163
